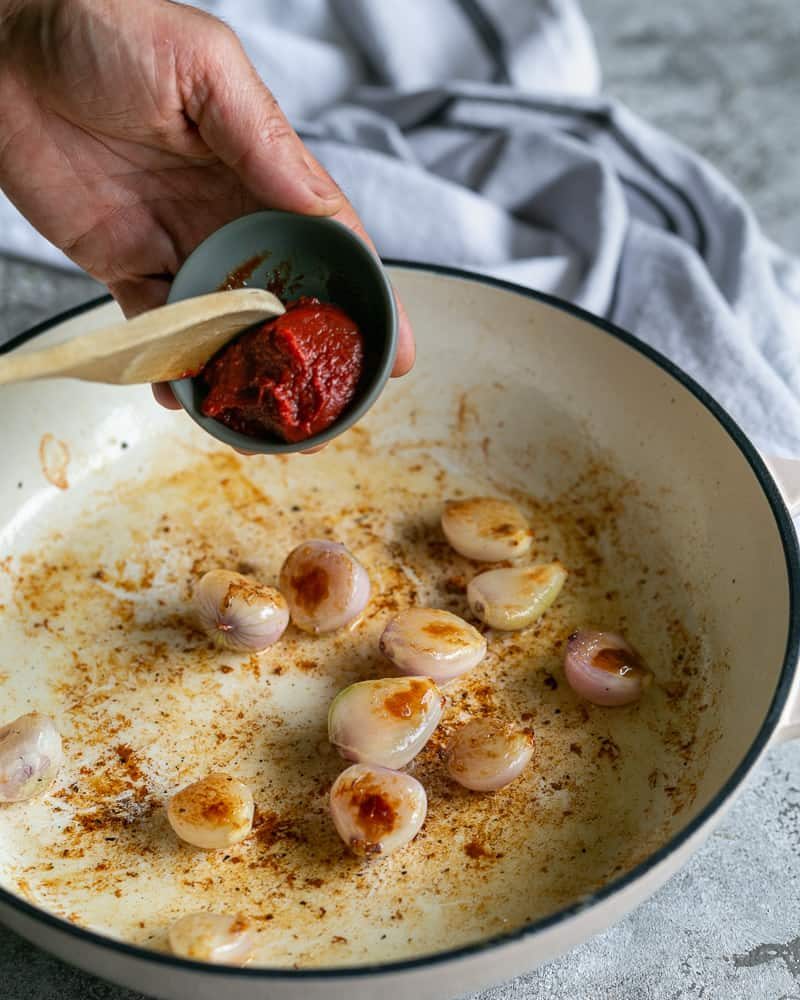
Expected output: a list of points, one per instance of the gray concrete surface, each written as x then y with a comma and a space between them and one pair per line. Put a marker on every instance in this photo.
724, 77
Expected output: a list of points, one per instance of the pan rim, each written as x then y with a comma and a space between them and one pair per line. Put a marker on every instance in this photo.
769, 724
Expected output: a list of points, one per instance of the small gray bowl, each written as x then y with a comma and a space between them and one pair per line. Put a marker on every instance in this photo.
295, 255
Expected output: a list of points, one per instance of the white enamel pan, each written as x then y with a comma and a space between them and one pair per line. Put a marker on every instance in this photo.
673, 529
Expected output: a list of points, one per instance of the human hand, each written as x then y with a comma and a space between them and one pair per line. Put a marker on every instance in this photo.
131, 131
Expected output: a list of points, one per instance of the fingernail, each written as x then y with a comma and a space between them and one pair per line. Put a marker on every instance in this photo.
323, 187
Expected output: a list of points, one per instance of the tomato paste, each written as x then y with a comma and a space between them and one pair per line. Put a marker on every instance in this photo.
292, 376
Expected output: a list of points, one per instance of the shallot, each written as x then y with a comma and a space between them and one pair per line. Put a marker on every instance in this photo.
603, 668
212, 937
325, 585
485, 755
510, 599
375, 810
486, 529
385, 722
434, 643
215, 812
239, 612
30, 756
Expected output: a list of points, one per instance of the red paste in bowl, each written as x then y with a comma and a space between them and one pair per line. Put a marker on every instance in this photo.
291, 377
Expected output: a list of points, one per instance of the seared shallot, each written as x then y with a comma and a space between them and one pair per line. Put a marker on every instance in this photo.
486, 529
214, 812
325, 585
435, 643
510, 599
385, 722
485, 755
212, 937
604, 668
375, 810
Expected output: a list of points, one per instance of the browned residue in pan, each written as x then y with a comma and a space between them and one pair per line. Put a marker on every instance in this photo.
149, 705
54, 460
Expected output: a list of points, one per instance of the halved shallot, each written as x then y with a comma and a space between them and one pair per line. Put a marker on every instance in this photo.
212, 937
215, 812
375, 810
603, 668
486, 529
30, 756
325, 585
510, 599
385, 722
485, 755
433, 643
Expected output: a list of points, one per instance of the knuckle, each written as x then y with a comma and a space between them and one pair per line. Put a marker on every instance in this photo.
220, 42
274, 127
214, 45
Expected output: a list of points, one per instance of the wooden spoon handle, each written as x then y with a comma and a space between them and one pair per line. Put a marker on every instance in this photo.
165, 343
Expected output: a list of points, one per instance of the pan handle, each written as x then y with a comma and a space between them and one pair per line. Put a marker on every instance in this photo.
789, 726
786, 473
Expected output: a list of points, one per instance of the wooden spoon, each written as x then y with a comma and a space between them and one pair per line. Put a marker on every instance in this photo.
167, 343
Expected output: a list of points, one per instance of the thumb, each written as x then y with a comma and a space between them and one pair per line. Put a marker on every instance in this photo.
239, 119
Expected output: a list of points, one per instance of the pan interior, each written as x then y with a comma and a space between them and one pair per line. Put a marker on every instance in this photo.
96, 629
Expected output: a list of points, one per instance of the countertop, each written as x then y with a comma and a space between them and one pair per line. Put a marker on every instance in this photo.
725, 78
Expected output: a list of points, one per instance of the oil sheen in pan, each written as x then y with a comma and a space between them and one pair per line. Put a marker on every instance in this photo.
97, 610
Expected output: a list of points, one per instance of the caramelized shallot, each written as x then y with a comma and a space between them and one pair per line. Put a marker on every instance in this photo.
375, 810
603, 668
215, 812
325, 585
385, 722
486, 529
212, 937
485, 755
437, 644
510, 599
